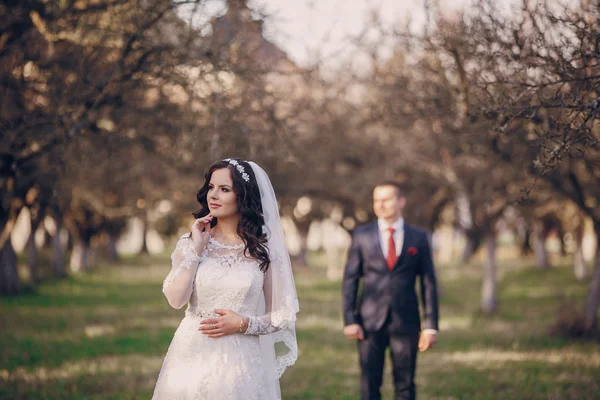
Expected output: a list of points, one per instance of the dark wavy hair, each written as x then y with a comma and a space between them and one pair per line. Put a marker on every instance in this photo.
250, 227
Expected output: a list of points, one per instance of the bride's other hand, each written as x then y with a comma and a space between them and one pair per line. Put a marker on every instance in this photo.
228, 323
201, 233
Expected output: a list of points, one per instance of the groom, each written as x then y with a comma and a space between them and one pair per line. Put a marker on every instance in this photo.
387, 256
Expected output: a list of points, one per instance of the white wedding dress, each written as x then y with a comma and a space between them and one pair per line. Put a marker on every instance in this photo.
232, 367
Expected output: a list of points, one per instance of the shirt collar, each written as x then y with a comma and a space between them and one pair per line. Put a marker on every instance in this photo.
398, 225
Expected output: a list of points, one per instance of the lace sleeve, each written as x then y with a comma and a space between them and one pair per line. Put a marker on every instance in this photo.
178, 285
260, 326
273, 320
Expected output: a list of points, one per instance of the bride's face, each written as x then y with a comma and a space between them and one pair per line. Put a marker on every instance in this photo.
222, 201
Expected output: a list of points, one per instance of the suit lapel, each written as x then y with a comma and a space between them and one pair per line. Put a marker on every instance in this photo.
405, 245
376, 242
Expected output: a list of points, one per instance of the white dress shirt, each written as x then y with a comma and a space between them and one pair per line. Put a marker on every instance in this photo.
384, 237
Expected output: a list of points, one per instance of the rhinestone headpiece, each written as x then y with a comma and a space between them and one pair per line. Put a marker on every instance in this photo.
240, 169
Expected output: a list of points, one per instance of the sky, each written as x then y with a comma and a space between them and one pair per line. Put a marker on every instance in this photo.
321, 30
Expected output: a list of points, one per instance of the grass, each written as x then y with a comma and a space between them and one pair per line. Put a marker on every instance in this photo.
103, 334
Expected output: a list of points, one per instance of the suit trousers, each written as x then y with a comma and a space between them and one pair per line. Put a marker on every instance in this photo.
403, 354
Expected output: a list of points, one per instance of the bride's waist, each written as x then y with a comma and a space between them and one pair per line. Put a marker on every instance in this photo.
210, 313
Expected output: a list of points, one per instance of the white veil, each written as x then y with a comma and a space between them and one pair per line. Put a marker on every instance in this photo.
279, 350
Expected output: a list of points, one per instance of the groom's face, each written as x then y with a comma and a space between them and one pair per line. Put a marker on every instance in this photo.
387, 202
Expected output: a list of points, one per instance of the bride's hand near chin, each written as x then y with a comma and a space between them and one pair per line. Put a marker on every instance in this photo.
201, 233
228, 323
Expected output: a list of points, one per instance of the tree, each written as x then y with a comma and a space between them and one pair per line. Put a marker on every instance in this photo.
65, 74
541, 92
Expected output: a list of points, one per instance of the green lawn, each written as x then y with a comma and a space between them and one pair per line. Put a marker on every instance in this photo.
102, 335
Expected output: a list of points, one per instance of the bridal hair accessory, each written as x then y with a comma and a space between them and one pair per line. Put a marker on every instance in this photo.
240, 169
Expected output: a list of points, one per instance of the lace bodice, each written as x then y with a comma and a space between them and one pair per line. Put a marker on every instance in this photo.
221, 277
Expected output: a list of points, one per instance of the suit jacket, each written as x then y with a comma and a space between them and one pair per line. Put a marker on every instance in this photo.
386, 292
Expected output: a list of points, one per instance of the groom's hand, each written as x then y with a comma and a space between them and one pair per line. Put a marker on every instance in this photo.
354, 331
427, 341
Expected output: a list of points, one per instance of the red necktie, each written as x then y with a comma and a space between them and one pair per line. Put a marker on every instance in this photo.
391, 255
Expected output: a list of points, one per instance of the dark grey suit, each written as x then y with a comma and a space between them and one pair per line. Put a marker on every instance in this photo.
388, 309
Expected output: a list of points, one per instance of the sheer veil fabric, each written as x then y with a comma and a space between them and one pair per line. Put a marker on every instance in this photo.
279, 349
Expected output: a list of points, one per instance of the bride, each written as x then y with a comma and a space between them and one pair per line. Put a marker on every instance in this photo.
238, 335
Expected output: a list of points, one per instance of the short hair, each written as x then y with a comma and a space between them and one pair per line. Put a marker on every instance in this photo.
395, 184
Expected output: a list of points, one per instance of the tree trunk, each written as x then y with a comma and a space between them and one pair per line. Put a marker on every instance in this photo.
58, 261
579, 259
445, 251
593, 298
333, 253
561, 238
36, 216
79, 256
335, 266
47, 239
113, 254
9, 276
32, 258
70, 240
526, 249
303, 226
488, 291
465, 219
10, 282
473, 243
301, 259
541, 253
144, 249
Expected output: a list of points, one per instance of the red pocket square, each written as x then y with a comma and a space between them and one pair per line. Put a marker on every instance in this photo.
412, 251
